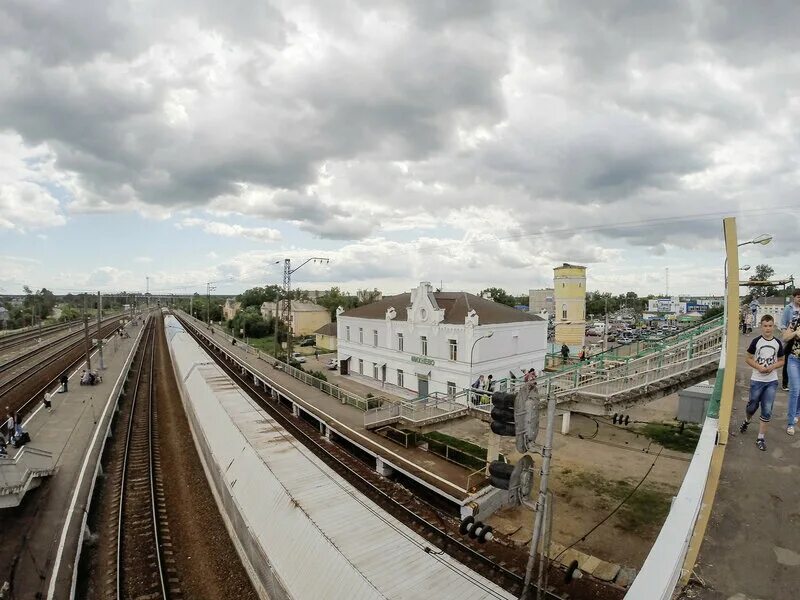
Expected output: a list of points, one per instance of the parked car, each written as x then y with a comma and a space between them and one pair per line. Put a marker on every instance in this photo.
309, 341
626, 338
332, 364
298, 357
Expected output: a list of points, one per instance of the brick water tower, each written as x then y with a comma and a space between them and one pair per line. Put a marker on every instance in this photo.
569, 296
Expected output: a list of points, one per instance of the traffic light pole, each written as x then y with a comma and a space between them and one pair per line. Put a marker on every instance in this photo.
538, 515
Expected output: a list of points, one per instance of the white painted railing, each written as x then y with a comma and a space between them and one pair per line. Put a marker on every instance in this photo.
662, 568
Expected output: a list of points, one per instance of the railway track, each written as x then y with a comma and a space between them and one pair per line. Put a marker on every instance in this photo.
23, 389
13, 340
141, 567
380, 491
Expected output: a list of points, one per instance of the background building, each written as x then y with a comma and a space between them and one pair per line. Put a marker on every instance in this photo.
541, 300
230, 309
326, 337
422, 342
307, 317
569, 297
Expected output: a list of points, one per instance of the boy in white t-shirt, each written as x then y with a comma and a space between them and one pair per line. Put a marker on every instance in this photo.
765, 355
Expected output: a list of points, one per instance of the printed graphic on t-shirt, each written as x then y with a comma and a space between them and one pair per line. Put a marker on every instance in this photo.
794, 323
766, 353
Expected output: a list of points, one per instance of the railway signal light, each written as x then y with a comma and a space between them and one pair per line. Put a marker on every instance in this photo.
516, 415
517, 479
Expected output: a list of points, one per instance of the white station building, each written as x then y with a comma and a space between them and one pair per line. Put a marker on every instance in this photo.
426, 341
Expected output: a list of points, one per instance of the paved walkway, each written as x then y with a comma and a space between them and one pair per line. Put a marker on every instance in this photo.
752, 545
34, 536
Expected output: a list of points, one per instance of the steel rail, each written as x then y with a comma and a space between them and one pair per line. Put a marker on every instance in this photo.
129, 442
18, 380
363, 484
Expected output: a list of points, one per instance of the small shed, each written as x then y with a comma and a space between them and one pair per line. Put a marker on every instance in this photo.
693, 402
326, 337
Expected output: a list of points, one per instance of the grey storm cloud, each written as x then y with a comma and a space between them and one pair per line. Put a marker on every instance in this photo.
352, 118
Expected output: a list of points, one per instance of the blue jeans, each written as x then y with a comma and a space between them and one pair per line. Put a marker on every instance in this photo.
763, 393
793, 370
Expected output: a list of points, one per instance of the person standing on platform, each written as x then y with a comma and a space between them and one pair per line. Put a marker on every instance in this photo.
765, 356
47, 401
790, 323
64, 383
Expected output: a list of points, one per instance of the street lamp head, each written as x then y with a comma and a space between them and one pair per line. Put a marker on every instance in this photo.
762, 239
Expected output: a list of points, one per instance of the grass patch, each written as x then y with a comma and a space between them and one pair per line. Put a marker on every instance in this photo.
266, 344
671, 437
645, 510
458, 444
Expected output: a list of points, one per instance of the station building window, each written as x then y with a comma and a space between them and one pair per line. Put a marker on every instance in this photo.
375, 337
424, 343
360, 335
453, 349
400, 342
400, 377
360, 366
347, 332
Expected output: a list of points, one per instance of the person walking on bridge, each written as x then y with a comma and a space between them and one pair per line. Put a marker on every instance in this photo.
765, 355
790, 324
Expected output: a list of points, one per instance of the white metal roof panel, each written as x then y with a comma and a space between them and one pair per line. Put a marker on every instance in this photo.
324, 539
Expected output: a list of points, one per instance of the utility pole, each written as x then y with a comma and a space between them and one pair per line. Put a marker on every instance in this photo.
147, 293
86, 333
667, 282
538, 516
99, 337
191, 305
209, 289
286, 315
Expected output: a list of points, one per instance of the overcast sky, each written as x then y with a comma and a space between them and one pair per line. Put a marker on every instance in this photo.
469, 142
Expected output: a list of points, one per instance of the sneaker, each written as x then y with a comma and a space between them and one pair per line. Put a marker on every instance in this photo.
743, 426
790, 430
785, 388
761, 443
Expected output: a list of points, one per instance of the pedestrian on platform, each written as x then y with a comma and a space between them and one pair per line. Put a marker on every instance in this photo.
530, 376
765, 356
316, 354
790, 324
564, 352
64, 383
489, 384
47, 401
582, 355
9, 423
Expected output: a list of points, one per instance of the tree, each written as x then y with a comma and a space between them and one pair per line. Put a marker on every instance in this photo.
763, 273
258, 295
499, 295
334, 298
368, 296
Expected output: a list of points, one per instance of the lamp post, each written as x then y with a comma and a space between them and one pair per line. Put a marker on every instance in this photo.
472, 350
722, 396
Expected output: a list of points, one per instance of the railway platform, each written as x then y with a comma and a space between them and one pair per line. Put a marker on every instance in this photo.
42, 535
436, 473
751, 547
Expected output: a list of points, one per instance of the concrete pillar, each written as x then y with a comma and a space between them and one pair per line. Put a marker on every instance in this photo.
295, 410
493, 451
382, 468
328, 433
322, 428
565, 423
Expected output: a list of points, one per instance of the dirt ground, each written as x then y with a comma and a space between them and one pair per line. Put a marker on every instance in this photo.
590, 476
